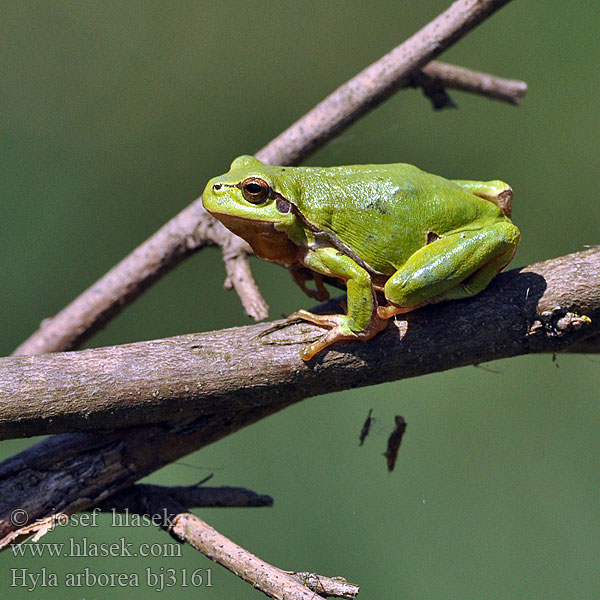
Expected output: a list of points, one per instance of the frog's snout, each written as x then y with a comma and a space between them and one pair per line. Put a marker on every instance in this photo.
210, 195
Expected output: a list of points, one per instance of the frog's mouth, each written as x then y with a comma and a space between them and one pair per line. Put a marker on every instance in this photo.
266, 241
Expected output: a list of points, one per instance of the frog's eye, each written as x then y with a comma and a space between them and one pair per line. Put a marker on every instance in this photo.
255, 190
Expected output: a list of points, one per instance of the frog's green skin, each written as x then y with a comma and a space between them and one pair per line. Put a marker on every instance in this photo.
390, 229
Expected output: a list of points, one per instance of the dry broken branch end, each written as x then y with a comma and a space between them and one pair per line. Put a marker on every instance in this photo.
271, 580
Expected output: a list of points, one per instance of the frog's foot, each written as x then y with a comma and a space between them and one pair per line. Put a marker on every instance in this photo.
321, 293
301, 277
387, 312
338, 330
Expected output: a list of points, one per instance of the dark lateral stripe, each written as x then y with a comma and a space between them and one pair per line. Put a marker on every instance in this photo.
329, 237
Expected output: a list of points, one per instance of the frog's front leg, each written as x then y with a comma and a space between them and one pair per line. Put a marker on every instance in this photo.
453, 267
362, 321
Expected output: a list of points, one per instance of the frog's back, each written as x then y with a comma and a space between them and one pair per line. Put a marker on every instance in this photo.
385, 213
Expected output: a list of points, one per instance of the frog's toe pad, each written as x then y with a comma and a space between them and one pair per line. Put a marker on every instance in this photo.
387, 312
331, 337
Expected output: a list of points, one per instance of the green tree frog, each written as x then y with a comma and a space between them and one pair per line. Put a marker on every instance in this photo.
396, 236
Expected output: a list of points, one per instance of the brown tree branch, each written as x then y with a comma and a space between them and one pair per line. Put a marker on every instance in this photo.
168, 508
474, 82
547, 307
192, 229
376, 83
541, 308
274, 582
65, 474
135, 499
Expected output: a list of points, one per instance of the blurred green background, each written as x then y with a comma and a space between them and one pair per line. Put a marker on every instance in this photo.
113, 117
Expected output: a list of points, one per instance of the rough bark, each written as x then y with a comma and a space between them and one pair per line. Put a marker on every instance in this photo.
524, 310
547, 307
70, 473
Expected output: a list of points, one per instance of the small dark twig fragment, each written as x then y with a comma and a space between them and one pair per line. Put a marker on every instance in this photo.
144, 498
433, 89
394, 441
364, 432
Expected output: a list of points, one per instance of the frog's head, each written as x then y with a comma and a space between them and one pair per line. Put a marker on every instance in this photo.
252, 200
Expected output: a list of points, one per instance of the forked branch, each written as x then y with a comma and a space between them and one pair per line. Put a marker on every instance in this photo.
208, 381
193, 229
77, 471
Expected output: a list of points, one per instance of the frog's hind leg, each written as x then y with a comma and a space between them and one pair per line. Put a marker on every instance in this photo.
478, 281
497, 192
453, 267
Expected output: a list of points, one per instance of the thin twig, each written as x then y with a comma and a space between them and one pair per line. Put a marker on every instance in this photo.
192, 229
240, 278
168, 507
475, 82
271, 580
